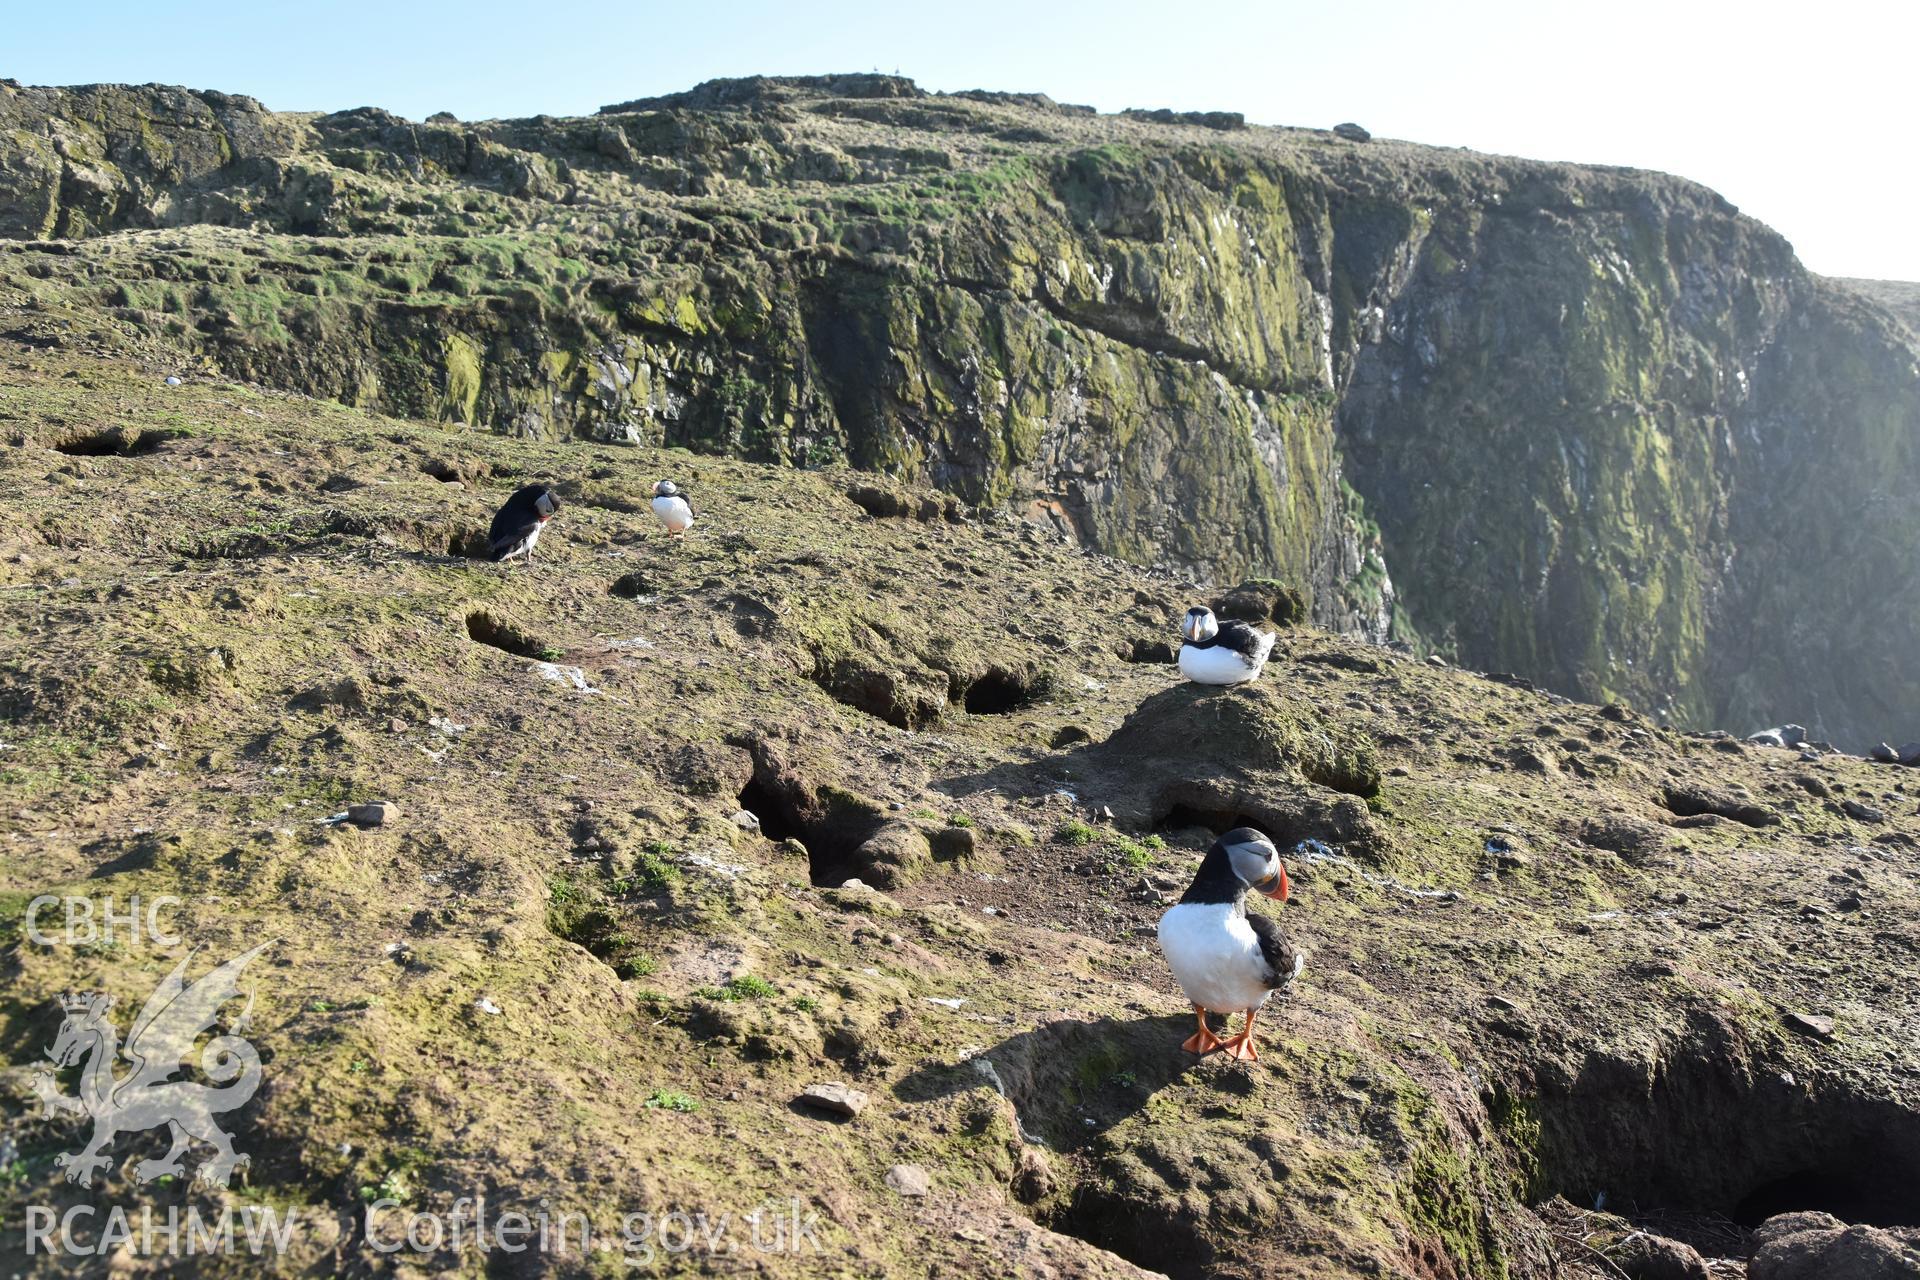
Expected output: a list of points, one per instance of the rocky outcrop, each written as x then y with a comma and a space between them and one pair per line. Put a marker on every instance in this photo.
1818, 1246
1591, 426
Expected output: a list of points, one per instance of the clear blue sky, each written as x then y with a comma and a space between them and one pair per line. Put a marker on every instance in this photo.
1804, 117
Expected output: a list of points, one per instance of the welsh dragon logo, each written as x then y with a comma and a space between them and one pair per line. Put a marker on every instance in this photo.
161, 1043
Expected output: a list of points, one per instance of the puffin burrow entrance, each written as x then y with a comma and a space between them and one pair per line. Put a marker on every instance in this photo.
114, 442
1000, 692
1853, 1196
484, 628
832, 840
1716, 1137
631, 586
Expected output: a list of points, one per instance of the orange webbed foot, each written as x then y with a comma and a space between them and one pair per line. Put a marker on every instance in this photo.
1203, 1040
1241, 1046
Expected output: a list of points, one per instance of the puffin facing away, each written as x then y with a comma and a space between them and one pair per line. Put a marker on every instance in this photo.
517, 525
1224, 957
672, 507
1221, 652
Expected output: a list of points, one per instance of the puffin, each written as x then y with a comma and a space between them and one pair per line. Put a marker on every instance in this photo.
517, 525
672, 507
1221, 652
1224, 957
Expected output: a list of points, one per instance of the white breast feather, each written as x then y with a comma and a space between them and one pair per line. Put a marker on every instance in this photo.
1215, 956
525, 545
673, 511
1221, 665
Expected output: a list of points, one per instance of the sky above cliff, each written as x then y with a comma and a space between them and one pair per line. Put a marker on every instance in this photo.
1801, 115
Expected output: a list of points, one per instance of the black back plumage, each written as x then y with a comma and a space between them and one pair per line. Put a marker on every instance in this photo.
1283, 961
517, 517
1234, 635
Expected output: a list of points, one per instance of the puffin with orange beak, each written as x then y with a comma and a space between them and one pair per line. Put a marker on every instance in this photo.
672, 506
518, 524
1224, 957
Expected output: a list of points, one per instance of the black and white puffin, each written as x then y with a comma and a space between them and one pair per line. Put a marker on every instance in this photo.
1221, 652
672, 507
517, 525
1224, 957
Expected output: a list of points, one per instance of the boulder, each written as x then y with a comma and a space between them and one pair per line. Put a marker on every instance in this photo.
834, 1097
377, 814
1260, 600
1351, 132
1244, 752
909, 1180
1644, 1256
1811, 1024
1862, 812
1818, 1246
896, 854
1691, 801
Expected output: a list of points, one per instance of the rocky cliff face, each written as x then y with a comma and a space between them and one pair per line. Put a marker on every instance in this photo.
1592, 426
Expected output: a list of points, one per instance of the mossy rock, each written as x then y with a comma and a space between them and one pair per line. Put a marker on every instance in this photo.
1263, 600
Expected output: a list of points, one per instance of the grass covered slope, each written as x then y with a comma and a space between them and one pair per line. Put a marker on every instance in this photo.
1590, 425
1553, 949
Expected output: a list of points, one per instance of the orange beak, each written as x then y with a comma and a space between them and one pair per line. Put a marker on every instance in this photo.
1280, 887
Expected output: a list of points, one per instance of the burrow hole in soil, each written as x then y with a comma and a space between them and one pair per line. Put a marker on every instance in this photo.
116, 442
1157, 651
484, 628
467, 471
831, 842
1215, 821
998, 693
1717, 1136
631, 586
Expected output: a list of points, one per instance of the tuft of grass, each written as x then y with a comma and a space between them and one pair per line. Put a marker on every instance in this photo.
653, 868
959, 820
744, 987
670, 1100
1076, 832
1138, 853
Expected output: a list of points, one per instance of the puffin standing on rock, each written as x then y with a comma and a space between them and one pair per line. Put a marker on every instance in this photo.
1225, 958
517, 525
1221, 652
672, 507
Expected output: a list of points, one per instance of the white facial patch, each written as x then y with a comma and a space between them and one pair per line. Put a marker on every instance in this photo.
1253, 863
